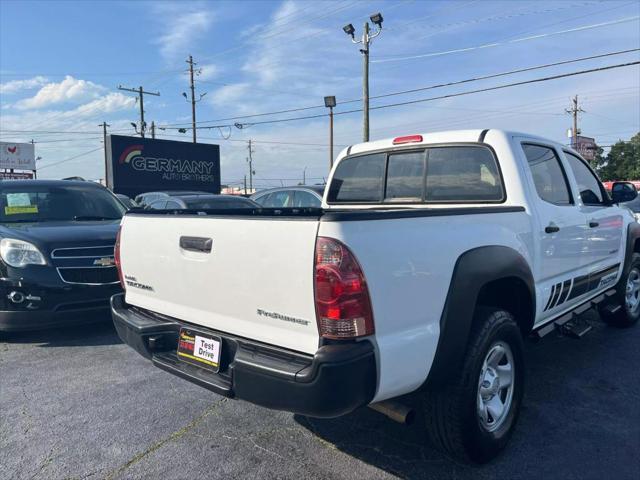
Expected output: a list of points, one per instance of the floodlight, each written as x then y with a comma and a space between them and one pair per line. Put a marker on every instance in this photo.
349, 30
377, 19
184, 95
330, 102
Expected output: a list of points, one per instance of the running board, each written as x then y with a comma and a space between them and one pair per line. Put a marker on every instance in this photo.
572, 324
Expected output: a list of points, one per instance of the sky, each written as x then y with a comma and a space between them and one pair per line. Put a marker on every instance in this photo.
61, 63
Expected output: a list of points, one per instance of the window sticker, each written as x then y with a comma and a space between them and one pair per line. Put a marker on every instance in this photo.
20, 209
18, 200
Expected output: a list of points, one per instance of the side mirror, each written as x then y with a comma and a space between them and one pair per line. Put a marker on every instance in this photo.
623, 192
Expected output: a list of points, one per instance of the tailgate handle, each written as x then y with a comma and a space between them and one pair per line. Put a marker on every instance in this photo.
196, 244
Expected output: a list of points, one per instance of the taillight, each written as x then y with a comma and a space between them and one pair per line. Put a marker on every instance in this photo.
116, 258
343, 306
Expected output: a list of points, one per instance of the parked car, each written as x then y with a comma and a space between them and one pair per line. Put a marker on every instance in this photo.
56, 252
204, 202
433, 258
284, 197
126, 201
147, 198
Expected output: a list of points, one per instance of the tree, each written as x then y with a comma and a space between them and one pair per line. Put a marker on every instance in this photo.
622, 162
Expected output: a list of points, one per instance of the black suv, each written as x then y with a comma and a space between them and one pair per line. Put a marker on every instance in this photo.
56, 252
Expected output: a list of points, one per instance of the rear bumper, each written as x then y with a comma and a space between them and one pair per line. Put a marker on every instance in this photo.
335, 381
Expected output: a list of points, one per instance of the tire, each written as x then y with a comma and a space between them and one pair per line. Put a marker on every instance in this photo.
628, 296
454, 422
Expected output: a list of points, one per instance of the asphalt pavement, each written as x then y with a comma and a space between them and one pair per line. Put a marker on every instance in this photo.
76, 403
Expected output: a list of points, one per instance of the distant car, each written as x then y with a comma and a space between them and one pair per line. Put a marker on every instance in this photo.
126, 201
147, 198
297, 197
57, 241
204, 202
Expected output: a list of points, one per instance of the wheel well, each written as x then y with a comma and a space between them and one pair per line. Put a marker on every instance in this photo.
511, 294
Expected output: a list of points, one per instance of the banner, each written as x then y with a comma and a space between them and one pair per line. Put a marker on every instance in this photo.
16, 175
137, 165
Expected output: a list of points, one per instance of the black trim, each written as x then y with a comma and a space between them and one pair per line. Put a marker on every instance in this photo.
349, 150
473, 270
606, 200
566, 286
553, 291
393, 213
580, 286
303, 214
334, 381
483, 134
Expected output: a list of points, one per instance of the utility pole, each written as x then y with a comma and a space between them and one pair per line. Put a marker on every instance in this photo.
104, 126
330, 102
245, 184
193, 72
574, 110
141, 93
251, 172
366, 39
153, 129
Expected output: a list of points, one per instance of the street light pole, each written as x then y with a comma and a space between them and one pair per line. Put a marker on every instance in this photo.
330, 102
365, 40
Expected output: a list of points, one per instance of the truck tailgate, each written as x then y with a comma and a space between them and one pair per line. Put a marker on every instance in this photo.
255, 282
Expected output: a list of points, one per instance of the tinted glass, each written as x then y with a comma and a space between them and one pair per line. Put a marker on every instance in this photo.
158, 204
463, 174
303, 199
172, 204
588, 184
405, 176
39, 203
547, 174
281, 199
358, 179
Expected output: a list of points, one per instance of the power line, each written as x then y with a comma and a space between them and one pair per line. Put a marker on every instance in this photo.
430, 87
496, 44
70, 158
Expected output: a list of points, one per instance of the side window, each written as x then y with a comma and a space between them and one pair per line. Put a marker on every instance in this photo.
463, 174
405, 176
547, 173
279, 200
172, 204
263, 200
358, 179
158, 205
588, 184
305, 199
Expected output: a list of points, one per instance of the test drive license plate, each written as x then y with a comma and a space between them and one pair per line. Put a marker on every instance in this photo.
199, 349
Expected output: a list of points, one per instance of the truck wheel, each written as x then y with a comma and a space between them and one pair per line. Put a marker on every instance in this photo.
628, 296
472, 416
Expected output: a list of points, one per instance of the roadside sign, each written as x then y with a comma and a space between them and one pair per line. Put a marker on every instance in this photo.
136, 165
16, 175
20, 156
587, 147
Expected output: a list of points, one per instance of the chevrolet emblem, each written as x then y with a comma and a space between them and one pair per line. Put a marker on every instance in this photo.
104, 262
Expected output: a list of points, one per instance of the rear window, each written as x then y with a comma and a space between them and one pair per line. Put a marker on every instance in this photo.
453, 174
213, 203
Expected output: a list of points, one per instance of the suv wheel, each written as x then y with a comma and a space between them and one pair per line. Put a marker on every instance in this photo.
472, 417
628, 296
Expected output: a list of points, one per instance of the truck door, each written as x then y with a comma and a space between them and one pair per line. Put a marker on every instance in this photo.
605, 224
560, 229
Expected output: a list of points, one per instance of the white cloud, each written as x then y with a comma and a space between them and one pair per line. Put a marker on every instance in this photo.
69, 89
110, 103
230, 94
208, 71
182, 30
14, 86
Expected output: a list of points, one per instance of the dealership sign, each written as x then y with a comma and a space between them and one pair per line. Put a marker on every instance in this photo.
20, 156
587, 147
136, 165
16, 175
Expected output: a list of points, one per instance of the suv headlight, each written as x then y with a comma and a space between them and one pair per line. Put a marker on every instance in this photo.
19, 253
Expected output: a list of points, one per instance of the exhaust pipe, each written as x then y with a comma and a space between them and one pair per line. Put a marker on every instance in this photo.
395, 411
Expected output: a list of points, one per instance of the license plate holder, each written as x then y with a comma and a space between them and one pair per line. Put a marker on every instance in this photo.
200, 349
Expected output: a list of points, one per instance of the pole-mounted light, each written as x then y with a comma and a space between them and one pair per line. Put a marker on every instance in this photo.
349, 30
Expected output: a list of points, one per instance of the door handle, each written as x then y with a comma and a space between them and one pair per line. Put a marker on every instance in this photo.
196, 244
593, 224
551, 228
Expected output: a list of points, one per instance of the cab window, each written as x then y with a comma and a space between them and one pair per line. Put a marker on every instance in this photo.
591, 192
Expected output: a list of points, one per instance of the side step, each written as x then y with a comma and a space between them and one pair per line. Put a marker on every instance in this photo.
572, 324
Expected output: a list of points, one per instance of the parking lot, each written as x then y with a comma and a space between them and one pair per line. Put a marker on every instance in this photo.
77, 403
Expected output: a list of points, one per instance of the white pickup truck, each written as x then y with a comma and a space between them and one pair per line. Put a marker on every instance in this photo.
431, 259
